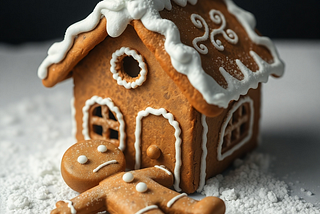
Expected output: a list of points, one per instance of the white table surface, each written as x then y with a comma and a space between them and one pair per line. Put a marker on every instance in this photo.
290, 126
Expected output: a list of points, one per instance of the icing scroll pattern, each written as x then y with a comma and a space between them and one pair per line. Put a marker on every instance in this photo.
218, 18
199, 22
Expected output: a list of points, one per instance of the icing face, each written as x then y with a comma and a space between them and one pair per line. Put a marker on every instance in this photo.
105, 164
87, 163
82, 159
102, 148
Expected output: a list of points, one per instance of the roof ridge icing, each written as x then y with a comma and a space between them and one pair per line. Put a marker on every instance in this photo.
185, 59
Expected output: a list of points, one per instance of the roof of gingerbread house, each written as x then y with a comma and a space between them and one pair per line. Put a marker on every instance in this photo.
215, 53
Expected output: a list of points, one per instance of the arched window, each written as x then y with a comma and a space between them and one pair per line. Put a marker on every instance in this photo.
103, 120
103, 124
236, 130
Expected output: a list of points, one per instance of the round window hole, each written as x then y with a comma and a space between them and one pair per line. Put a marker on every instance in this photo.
131, 66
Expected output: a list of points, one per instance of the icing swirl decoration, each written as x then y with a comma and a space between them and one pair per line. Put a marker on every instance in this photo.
218, 18
199, 22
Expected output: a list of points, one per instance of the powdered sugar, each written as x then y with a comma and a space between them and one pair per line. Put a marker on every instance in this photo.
35, 132
251, 188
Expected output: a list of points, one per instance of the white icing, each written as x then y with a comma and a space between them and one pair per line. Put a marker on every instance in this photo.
203, 166
70, 205
164, 169
151, 207
112, 107
137, 57
225, 123
177, 132
102, 148
141, 187
105, 164
199, 22
185, 59
218, 18
174, 199
128, 177
82, 159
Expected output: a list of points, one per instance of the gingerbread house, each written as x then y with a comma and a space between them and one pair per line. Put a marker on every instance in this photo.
174, 83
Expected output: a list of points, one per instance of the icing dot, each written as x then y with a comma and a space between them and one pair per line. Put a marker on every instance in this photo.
102, 148
128, 177
141, 187
82, 159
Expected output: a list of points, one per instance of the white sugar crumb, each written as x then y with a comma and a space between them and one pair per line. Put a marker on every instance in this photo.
250, 188
228, 195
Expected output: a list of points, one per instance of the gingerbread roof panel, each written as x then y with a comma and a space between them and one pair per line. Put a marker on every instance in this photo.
212, 45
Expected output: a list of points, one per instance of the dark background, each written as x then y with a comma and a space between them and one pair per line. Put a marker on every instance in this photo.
39, 20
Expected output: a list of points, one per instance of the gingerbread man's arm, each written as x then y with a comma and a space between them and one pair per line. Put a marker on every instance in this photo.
90, 201
159, 174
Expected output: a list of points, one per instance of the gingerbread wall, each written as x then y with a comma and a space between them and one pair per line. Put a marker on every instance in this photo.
215, 166
207, 134
92, 77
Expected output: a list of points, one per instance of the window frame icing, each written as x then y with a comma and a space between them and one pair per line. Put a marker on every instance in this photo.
224, 125
119, 116
121, 54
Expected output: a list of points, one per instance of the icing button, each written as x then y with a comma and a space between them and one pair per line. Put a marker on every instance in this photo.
128, 177
82, 159
102, 148
141, 187
153, 152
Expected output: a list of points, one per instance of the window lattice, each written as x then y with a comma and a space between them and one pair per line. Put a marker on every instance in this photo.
237, 128
104, 124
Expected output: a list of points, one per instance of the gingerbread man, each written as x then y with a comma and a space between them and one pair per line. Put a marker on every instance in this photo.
97, 169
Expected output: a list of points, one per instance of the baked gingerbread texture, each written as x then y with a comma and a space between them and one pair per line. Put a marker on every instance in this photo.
96, 168
170, 82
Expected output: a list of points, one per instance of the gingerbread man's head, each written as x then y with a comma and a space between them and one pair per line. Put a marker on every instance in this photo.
86, 163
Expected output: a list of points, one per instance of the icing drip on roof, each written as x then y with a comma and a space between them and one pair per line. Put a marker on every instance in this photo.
184, 59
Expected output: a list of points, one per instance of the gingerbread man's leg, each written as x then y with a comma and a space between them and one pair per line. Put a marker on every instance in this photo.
208, 205
88, 202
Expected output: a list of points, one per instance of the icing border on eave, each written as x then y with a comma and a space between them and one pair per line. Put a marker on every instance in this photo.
185, 59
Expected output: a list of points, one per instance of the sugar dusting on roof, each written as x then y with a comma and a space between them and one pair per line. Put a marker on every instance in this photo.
184, 59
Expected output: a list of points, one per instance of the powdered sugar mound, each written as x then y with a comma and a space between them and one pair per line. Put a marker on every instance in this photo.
16, 201
250, 188
34, 133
